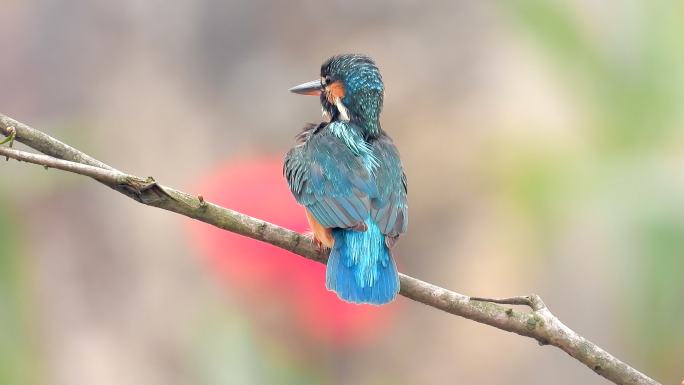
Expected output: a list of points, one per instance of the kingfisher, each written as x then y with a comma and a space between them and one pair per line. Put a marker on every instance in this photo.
347, 174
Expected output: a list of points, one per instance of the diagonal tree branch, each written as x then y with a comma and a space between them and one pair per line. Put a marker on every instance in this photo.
539, 323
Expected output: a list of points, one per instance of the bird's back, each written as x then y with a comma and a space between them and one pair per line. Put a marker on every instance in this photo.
355, 187
334, 162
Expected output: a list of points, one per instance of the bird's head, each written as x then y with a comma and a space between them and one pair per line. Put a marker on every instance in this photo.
351, 89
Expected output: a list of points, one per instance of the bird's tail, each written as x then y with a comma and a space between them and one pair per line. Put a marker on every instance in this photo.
360, 267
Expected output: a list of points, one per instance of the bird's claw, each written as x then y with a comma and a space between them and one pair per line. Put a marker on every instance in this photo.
318, 245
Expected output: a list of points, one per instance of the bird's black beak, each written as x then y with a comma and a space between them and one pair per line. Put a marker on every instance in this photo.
313, 88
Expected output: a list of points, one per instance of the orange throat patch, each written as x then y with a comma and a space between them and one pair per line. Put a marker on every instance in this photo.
335, 91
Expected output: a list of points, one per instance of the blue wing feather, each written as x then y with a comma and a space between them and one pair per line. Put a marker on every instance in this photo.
390, 209
343, 184
343, 180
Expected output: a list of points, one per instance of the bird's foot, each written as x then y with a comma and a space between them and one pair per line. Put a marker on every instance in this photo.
320, 247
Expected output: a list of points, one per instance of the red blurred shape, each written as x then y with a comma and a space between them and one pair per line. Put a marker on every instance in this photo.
269, 276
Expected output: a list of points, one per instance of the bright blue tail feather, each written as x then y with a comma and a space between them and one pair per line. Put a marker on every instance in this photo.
360, 267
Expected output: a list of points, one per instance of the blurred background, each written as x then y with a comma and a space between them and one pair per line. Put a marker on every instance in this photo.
542, 141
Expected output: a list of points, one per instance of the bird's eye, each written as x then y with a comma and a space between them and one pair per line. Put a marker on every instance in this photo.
326, 80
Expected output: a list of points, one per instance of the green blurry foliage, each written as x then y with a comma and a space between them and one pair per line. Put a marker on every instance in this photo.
658, 233
625, 68
227, 350
18, 364
628, 72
